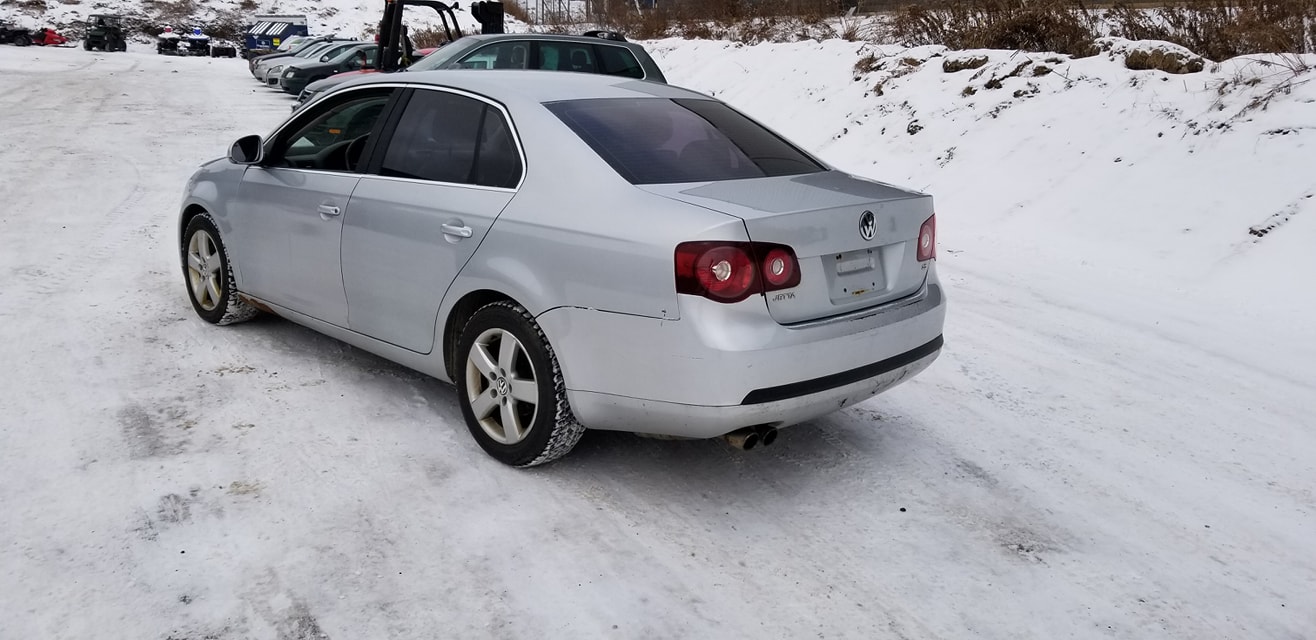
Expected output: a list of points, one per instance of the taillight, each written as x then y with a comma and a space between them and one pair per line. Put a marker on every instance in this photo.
733, 271
779, 268
927, 239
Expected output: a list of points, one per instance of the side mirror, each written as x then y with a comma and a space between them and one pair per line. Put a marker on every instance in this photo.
246, 150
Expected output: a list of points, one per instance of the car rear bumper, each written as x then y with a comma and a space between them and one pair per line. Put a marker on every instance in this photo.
723, 367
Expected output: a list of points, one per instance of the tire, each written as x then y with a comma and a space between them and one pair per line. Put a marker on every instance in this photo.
22, 40
511, 394
209, 275
86, 45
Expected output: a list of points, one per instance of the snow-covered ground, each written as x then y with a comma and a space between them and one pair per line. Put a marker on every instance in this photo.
1116, 442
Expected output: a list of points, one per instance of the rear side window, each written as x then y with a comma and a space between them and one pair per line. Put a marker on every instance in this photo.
659, 141
567, 56
446, 137
618, 61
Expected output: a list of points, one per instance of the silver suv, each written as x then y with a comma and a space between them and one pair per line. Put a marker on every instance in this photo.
601, 52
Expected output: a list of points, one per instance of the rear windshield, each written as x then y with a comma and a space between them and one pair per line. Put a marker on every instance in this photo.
659, 141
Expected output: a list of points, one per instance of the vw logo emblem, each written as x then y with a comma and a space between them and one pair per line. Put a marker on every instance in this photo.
867, 225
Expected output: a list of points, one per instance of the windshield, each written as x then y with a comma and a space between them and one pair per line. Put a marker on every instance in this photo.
313, 49
436, 60
348, 53
335, 51
302, 47
660, 141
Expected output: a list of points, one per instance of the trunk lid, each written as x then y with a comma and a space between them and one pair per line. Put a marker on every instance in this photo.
822, 217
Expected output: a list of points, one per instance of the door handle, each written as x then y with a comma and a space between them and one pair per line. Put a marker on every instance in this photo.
454, 230
328, 210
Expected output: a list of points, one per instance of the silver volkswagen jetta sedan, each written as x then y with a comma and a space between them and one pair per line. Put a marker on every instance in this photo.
572, 251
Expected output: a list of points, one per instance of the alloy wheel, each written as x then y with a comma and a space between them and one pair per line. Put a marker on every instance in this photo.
501, 386
203, 270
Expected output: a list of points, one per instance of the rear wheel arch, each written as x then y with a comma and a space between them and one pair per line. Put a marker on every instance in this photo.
457, 317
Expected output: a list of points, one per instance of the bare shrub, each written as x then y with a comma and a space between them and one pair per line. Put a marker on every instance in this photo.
1046, 25
1222, 29
427, 38
736, 20
514, 9
866, 64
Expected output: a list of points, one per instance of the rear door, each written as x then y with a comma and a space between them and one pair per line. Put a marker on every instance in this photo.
444, 173
292, 205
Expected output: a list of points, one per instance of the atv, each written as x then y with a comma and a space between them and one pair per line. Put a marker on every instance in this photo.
105, 32
195, 43
15, 35
166, 43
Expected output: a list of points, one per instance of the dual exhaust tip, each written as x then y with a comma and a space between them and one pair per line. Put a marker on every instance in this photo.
750, 437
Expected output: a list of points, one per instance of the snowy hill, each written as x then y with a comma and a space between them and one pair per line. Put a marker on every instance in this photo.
1196, 184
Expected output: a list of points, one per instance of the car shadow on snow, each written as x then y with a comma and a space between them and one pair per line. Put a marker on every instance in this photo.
860, 441
859, 444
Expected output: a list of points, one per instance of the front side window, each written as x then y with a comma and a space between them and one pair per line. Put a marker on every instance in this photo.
503, 55
659, 141
362, 59
333, 137
446, 137
334, 52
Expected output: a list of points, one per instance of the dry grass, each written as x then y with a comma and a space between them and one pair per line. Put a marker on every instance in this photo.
1222, 29
514, 9
1045, 25
1216, 29
426, 38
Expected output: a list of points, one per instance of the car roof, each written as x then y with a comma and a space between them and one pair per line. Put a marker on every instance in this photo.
560, 37
514, 85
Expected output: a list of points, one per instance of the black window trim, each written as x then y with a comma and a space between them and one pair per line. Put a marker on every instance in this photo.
375, 162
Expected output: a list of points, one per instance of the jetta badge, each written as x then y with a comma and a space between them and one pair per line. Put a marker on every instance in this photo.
867, 225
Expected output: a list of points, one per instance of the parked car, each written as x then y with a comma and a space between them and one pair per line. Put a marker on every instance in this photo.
289, 43
335, 49
297, 75
572, 251
260, 65
603, 52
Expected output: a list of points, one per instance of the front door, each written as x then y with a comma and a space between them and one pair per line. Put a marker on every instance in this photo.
294, 201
